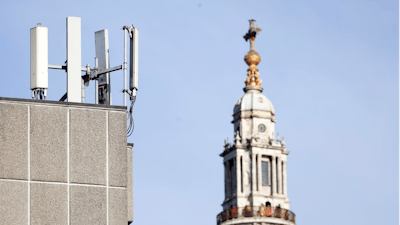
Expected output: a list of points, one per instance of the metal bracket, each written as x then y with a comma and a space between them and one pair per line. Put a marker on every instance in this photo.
58, 67
92, 73
96, 71
130, 30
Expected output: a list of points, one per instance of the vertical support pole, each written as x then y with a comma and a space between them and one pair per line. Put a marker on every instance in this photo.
74, 59
96, 88
273, 175
125, 65
96, 92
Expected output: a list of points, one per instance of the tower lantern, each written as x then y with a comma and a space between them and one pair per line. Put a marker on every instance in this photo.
255, 164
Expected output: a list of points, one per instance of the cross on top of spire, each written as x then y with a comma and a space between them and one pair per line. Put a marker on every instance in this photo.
252, 58
251, 34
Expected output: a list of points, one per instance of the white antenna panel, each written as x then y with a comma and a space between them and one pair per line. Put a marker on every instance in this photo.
134, 60
39, 57
102, 53
74, 59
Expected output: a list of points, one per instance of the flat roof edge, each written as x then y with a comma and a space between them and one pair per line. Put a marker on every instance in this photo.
65, 104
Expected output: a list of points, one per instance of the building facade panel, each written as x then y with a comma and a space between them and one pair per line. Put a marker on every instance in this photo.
48, 204
117, 149
88, 205
13, 202
88, 146
117, 210
48, 143
14, 141
130, 182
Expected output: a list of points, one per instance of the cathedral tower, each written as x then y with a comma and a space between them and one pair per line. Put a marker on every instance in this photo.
255, 164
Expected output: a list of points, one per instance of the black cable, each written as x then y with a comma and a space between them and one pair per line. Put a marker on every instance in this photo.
130, 118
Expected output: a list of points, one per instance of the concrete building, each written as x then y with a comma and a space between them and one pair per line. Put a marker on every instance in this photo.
255, 164
64, 163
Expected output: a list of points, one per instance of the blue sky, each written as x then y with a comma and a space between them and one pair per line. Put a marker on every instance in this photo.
329, 67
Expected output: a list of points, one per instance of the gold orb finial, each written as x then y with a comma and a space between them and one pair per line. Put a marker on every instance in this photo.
252, 59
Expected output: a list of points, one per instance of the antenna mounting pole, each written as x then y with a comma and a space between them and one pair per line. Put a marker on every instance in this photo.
125, 62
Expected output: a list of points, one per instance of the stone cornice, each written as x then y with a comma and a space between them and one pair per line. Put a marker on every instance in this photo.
253, 114
249, 146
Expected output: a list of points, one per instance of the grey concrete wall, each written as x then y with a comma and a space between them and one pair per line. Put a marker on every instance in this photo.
130, 182
14, 141
88, 146
64, 163
13, 202
116, 141
48, 143
48, 203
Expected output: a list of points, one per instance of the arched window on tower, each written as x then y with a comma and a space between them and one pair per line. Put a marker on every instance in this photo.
230, 178
233, 176
264, 168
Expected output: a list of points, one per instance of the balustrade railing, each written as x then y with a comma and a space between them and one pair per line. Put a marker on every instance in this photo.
259, 211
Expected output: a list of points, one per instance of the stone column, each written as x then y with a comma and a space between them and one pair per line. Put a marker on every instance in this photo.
253, 173
284, 179
273, 183
279, 175
259, 172
226, 180
234, 183
238, 175
229, 175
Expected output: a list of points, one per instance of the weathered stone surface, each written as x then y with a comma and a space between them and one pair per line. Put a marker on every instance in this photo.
13, 202
48, 141
117, 149
129, 187
117, 211
49, 204
88, 205
88, 148
45, 127
14, 141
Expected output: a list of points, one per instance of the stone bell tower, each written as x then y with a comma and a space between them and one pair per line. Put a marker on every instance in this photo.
255, 164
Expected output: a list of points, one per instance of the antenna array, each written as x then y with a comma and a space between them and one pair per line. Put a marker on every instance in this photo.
100, 73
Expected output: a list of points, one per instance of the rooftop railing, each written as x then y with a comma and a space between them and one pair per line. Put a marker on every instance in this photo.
259, 211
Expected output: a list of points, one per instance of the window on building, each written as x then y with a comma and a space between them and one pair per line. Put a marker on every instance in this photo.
264, 173
232, 172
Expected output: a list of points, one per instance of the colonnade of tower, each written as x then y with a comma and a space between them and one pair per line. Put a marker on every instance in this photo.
255, 164
269, 174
